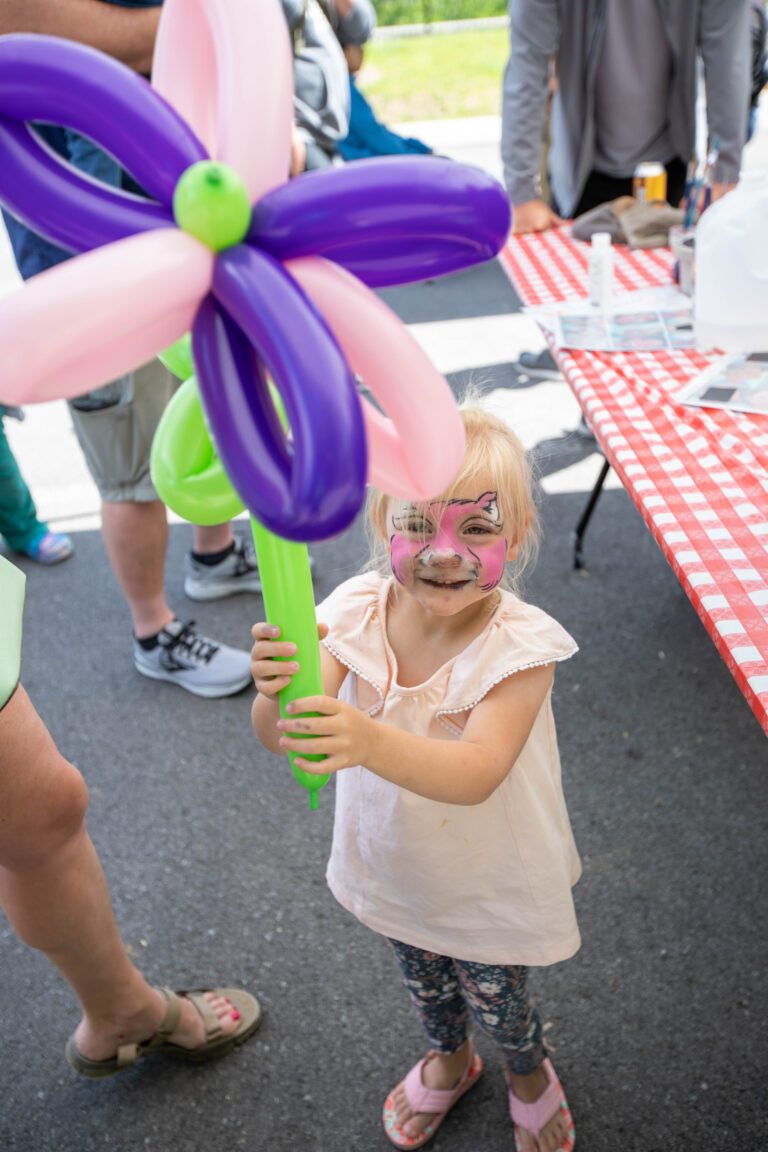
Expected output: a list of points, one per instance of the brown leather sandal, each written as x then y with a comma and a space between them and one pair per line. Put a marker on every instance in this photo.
216, 1042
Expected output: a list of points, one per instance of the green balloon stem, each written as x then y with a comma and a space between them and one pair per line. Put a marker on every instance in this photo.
292, 560
286, 583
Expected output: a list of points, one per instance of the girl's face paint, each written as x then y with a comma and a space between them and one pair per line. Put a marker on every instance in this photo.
450, 545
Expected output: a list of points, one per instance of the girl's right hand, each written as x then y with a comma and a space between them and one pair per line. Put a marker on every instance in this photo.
271, 675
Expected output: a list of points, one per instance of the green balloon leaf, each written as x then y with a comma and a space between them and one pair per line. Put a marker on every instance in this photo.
185, 469
178, 358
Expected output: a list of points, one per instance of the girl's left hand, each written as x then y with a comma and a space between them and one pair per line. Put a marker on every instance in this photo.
341, 733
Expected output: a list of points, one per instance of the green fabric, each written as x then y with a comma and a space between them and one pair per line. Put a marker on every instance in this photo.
11, 611
19, 522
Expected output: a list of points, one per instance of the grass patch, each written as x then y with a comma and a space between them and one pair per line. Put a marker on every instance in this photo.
436, 77
428, 11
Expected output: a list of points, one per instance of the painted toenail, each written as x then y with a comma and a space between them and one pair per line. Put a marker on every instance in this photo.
235, 1015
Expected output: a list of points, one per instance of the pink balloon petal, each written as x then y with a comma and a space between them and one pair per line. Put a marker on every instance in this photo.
227, 66
84, 322
183, 65
417, 448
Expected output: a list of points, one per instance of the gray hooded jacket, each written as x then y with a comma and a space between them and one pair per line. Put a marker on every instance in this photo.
321, 76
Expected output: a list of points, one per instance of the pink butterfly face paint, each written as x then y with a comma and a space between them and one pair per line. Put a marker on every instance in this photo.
451, 544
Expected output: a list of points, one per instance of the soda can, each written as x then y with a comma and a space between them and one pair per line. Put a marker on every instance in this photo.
649, 182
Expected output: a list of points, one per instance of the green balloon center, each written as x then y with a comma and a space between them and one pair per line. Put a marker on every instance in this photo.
211, 203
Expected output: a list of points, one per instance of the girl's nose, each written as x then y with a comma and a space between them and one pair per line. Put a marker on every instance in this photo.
444, 557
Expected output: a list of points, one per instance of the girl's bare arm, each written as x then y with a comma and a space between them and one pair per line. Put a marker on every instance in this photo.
465, 771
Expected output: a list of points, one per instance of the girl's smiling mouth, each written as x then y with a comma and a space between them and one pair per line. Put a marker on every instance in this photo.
441, 582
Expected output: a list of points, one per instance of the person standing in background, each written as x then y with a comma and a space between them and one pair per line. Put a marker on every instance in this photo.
115, 424
627, 72
21, 527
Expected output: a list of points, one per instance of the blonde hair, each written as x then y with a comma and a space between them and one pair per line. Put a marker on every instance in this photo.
493, 450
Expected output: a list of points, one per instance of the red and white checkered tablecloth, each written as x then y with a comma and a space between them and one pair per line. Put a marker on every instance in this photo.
699, 477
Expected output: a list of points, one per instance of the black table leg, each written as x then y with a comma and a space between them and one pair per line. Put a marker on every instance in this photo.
581, 527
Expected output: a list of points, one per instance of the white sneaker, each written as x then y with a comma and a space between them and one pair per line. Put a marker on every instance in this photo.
183, 656
237, 572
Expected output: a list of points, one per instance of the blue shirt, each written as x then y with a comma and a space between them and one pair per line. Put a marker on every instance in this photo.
369, 137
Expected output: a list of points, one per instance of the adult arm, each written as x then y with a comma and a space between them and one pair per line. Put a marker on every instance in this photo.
534, 29
465, 771
128, 34
724, 43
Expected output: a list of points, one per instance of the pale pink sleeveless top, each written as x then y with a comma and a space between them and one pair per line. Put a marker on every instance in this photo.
489, 882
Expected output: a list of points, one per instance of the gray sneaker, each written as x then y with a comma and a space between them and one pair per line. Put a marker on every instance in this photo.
237, 572
540, 364
195, 662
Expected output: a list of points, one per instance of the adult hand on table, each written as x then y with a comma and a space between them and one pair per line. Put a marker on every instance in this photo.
533, 216
720, 189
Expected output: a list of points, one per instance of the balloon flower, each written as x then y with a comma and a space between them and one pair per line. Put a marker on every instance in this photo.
272, 277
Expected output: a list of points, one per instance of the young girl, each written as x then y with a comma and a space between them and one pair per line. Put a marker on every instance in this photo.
451, 835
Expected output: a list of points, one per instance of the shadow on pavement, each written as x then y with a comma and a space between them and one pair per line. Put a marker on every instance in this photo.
481, 291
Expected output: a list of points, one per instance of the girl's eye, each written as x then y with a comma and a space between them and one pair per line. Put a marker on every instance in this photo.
479, 530
417, 527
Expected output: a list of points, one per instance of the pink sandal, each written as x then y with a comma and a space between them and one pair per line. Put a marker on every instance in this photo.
423, 1099
533, 1117
437, 1101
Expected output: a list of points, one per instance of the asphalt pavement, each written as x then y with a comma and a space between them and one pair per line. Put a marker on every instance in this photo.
216, 864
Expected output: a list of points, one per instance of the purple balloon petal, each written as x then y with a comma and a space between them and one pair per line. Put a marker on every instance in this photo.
314, 487
232, 382
53, 198
390, 220
55, 81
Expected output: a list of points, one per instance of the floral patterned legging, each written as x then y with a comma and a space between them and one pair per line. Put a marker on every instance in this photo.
444, 991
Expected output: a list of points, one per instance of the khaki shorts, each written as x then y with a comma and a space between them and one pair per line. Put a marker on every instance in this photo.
115, 426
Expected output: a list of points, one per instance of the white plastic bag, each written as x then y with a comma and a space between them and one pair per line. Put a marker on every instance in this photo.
731, 290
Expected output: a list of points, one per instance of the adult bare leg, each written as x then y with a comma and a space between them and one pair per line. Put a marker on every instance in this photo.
136, 538
212, 538
55, 895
